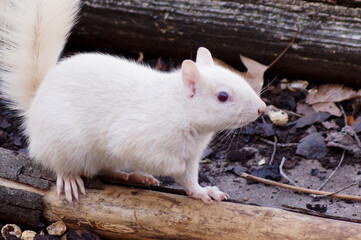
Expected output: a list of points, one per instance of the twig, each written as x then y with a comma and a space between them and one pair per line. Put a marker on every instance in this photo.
337, 167
326, 195
274, 150
284, 51
283, 174
299, 189
263, 120
279, 144
292, 113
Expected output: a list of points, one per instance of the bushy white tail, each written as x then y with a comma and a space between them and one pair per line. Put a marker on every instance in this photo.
32, 36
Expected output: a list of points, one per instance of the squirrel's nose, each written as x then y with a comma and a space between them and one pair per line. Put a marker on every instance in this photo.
261, 108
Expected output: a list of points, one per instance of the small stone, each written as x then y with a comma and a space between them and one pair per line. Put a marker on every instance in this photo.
56, 229
314, 171
317, 207
238, 170
10, 229
28, 235
262, 162
245, 199
278, 117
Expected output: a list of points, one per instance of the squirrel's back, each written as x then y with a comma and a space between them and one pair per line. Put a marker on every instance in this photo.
32, 36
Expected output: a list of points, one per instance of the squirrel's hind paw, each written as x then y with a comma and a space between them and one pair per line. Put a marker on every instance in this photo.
71, 186
143, 178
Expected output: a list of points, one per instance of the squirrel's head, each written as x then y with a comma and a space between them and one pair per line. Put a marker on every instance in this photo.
218, 98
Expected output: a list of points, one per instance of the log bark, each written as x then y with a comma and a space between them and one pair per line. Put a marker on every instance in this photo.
328, 47
115, 212
22, 185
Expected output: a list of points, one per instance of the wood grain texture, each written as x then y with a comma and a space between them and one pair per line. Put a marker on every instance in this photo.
327, 49
125, 213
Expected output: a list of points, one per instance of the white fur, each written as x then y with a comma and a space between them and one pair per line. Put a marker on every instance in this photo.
95, 112
33, 34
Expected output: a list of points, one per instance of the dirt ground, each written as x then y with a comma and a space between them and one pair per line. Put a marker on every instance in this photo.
219, 171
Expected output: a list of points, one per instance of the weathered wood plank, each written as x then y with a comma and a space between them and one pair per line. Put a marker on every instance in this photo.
327, 49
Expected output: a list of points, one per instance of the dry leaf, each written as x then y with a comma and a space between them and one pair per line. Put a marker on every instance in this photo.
331, 93
344, 141
356, 125
307, 120
330, 125
329, 107
225, 65
254, 74
304, 109
350, 120
312, 146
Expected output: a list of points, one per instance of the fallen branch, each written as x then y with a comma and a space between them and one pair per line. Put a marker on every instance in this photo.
299, 189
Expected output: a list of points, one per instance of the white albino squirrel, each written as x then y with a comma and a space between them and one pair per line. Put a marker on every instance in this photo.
94, 113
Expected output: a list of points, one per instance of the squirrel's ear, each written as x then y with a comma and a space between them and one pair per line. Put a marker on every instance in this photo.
204, 56
190, 75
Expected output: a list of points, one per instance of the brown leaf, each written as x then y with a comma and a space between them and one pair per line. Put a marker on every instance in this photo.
344, 141
331, 93
350, 120
329, 107
254, 74
225, 65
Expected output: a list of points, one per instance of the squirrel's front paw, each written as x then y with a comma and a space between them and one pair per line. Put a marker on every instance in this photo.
207, 193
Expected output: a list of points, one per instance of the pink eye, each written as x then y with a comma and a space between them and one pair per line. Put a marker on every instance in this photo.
222, 96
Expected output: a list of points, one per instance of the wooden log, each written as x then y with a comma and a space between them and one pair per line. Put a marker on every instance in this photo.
115, 212
328, 47
124, 213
